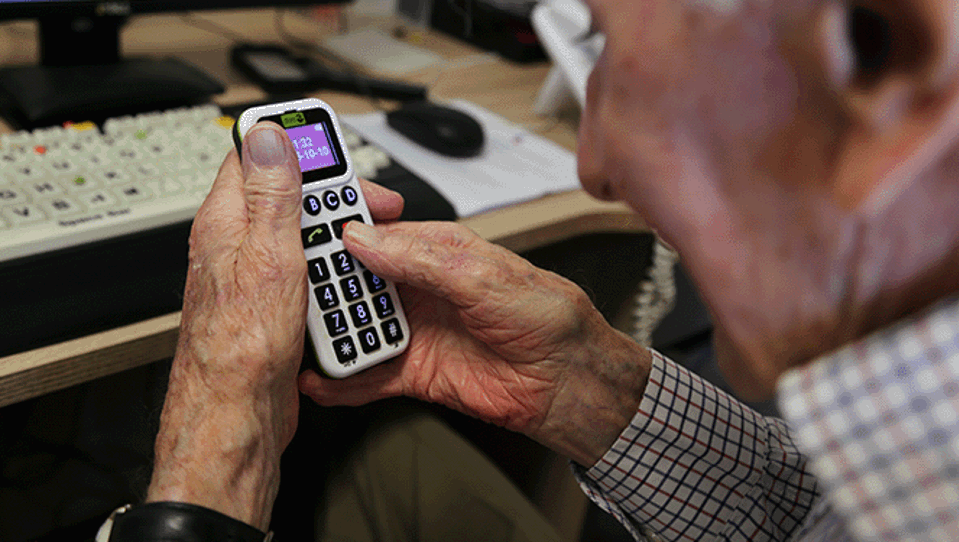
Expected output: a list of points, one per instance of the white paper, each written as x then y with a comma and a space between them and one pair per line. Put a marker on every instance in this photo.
514, 165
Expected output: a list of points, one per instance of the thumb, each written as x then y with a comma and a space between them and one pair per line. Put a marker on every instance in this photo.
273, 183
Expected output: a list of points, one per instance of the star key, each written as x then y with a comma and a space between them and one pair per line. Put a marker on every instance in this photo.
345, 350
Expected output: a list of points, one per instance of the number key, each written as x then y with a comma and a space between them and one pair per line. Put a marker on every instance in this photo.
383, 305
361, 314
373, 282
369, 340
351, 288
326, 296
343, 262
319, 272
335, 323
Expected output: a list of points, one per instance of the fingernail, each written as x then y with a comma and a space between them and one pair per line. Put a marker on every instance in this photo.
363, 234
266, 147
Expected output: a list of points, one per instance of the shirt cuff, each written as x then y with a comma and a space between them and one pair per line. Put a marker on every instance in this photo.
684, 463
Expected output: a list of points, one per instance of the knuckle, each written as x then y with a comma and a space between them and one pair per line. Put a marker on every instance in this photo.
273, 198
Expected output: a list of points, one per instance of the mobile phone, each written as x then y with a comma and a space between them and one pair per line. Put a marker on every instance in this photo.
355, 319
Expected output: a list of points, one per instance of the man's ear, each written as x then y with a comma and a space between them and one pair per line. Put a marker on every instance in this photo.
894, 65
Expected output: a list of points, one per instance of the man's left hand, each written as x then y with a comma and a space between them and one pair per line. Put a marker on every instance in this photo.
231, 408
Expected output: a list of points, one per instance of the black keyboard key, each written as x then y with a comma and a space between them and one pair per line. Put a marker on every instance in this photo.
331, 200
312, 206
383, 305
343, 263
326, 297
336, 323
316, 235
373, 283
345, 350
338, 224
349, 196
319, 272
361, 314
351, 288
392, 332
369, 340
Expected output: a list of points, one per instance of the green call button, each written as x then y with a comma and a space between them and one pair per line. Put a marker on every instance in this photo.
290, 120
316, 235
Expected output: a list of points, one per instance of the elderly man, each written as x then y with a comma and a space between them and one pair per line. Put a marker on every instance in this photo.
801, 155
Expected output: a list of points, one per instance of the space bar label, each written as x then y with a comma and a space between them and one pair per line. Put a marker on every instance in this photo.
91, 218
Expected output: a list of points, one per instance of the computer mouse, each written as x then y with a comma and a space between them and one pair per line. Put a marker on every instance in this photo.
439, 128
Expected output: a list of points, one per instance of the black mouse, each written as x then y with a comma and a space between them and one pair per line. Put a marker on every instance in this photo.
438, 128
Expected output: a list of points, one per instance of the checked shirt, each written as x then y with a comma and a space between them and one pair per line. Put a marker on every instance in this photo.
869, 450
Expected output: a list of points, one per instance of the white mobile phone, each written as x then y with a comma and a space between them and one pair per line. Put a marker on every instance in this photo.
355, 319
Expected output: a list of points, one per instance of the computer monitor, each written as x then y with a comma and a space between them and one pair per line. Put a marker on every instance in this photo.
82, 71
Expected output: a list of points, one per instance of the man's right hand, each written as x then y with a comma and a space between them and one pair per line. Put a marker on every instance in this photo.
496, 338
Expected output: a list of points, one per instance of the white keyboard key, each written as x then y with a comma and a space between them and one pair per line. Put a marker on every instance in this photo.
159, 149
145, 170
204, 159
97, 159
112, 175
43, 188
60, 206
165, 186
177, 165
61, 165
126, 153
25, 213
78, 182
133, 193
98, 199
10, 195
24, 173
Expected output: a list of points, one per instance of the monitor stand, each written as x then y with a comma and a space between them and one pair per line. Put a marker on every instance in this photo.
83, 77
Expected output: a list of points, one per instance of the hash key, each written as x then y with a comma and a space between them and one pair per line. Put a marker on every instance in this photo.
392, 332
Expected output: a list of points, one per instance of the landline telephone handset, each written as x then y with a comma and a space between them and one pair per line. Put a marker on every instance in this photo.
563, 28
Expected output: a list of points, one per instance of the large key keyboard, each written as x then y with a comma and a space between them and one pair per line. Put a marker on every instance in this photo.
66, 186
69, 185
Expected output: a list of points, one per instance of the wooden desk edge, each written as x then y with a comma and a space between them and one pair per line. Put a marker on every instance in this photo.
522, 227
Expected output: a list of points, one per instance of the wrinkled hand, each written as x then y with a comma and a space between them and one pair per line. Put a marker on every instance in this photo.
231, 406
496, 338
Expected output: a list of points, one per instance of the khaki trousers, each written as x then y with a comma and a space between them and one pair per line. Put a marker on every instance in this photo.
414, 479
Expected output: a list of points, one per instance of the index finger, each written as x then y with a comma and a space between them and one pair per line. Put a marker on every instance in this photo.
440, 257
385, 205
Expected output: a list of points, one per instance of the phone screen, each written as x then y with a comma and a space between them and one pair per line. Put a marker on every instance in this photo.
317, 145
313, 146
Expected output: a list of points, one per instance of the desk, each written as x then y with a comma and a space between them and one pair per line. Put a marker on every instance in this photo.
506, 88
